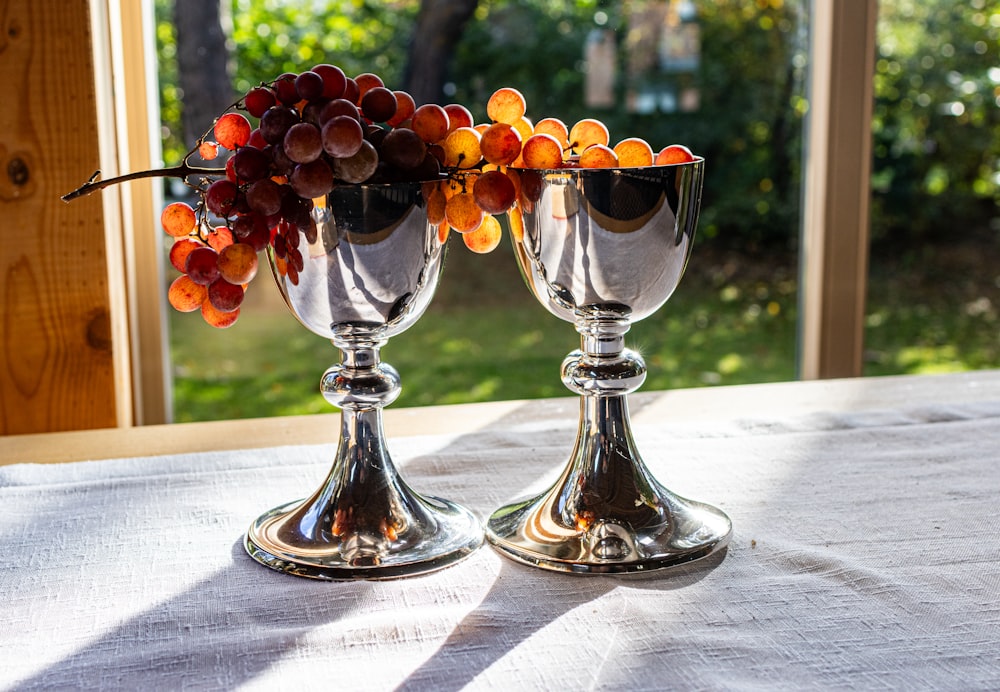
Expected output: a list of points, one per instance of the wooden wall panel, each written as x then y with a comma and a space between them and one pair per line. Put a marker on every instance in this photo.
57, 360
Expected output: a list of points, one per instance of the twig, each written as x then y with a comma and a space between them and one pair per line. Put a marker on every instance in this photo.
182, 171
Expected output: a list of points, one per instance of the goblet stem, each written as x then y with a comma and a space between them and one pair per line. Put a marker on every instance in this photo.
364, 522
607, 513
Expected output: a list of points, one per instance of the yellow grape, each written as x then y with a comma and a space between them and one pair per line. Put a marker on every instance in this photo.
485, 238
463, 213
634, 152
501, 143
461, 148
598, 156
506, 105
178, 219
588, 132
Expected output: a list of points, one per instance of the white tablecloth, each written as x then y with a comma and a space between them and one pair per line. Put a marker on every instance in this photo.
865, 555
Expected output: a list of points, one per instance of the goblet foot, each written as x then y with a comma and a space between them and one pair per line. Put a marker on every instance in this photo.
439, 534
606, 513
681, 531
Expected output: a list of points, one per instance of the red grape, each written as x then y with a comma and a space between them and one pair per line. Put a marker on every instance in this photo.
378, 104
276, 122
303, 143
202, 265
342, 136
311, 180
221, 197
258, 100
309, 85
334, 80
403, 148
224, 296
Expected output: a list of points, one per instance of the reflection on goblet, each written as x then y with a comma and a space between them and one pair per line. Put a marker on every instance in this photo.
603, 248
368, 274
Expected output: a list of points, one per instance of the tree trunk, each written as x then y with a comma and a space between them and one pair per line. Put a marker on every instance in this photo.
202, 65
438, 28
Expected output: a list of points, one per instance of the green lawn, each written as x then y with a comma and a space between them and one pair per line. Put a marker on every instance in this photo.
484, 338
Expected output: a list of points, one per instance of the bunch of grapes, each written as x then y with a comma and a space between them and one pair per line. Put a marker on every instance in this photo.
318, 129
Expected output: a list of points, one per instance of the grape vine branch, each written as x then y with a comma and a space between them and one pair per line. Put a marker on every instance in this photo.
182, 171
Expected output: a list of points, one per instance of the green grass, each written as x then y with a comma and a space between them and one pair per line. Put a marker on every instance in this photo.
731, 321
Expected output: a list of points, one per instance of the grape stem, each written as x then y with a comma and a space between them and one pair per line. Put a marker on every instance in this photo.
182, 171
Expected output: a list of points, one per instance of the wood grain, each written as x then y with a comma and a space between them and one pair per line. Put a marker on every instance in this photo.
56, 369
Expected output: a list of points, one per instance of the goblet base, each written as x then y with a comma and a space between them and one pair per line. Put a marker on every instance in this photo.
530, 533
445, 534
607, 513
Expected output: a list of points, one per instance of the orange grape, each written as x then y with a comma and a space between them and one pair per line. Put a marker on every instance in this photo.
485, 238
185, 295
555, 127
208, 150
598, 156
462, 213
178, 219
436, 201
542, 151
506, 105
405, 106
675, 153
516, 224
461, 148
634, 152
238, 263
443, 230
588, 132
500, 143
220, 237
367, 81
430, 121
180, 250
458, 116
232, 131
524, 127
217, 318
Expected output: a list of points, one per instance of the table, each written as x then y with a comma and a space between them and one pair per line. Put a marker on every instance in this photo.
865, 552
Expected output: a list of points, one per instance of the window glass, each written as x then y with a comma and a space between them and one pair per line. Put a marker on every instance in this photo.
934, 287
726, 78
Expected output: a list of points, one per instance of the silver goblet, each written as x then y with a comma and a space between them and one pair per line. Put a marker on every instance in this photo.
369, 272
603, 248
